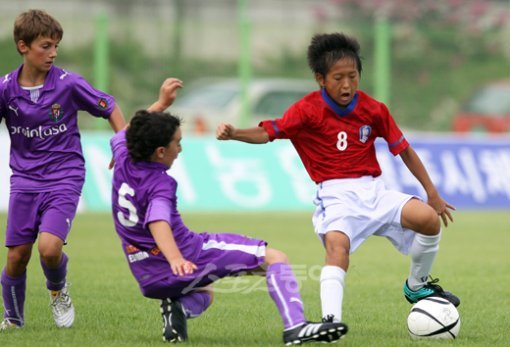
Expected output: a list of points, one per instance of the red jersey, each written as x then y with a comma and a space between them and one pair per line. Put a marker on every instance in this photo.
337, 142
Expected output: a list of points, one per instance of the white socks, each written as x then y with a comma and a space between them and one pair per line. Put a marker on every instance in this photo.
332, 291
423, 252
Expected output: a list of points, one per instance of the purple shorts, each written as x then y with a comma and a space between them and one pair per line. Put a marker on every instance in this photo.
32, 213
221, 255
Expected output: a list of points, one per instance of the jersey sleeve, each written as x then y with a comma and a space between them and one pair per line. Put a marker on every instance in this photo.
94, 101
160, 201
391, 132
286, 127
159, 209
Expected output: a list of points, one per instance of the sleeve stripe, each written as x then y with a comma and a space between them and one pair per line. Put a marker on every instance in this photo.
275, 128
399, 141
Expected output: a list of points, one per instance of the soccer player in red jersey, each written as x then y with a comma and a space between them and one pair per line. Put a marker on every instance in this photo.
333, 130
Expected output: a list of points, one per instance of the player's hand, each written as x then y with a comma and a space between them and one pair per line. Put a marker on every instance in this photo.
168, 91
225, 131
443, 209
182, 267
167, 95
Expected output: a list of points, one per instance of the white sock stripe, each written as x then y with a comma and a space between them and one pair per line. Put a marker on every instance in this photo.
15, 302
258, 251
280, 297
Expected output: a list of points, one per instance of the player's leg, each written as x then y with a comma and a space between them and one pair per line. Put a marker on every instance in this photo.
337, 246
196, 302
19, 238
420, 217
58, 211
13, 281
284, 290
54, 265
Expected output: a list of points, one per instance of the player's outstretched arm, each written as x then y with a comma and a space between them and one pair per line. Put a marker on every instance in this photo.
116, 119
167, 95
415, 165
255, 135
164, 238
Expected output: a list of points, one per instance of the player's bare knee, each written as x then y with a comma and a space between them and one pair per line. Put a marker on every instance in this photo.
275, 256
18, 257
431, 224
50, 257
336, 243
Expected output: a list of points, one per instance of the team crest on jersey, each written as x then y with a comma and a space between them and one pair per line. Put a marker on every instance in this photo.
56, 113
364, 133
102, 104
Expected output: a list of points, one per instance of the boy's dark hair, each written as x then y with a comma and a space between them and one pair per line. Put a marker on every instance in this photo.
31, 24
148, 131
326, 49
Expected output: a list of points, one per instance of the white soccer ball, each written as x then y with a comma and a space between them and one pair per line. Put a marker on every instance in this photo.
433, 318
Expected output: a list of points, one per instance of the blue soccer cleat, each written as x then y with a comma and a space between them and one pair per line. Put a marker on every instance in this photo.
429, 289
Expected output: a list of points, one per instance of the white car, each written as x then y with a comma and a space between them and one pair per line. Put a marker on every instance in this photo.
208, 102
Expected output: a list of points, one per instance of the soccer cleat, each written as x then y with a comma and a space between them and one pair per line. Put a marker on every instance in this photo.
62, 307
314, 332
328, 319
174, 321
429, 289
6, 324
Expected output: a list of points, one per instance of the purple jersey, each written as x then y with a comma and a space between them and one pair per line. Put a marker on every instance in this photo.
46, 152
142, 193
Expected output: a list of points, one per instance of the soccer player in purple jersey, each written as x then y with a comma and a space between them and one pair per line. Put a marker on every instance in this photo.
333, 131
174, 264
39, 103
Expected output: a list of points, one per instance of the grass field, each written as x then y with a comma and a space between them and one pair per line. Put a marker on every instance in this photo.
473, 262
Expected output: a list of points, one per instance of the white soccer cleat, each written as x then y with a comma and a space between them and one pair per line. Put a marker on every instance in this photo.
7, 325
62, 307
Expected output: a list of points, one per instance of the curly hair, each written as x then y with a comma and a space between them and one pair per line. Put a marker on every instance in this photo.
326, 49
148, 131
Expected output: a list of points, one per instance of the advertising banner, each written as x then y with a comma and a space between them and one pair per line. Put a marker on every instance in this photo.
470, 173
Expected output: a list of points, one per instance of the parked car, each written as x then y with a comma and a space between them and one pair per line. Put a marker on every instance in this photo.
207, 102
488, 110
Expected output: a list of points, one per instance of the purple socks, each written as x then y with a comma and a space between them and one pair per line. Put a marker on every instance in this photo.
13, 293
284, 290
56, 277
195, 303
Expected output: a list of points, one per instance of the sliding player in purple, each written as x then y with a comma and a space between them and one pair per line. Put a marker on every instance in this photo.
333, 131
172, 263
39, 103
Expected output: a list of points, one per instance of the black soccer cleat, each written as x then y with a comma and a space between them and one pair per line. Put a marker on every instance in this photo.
428, 290
174, 321
314, 332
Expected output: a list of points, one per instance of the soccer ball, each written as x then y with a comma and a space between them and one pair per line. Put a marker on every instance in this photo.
433, 318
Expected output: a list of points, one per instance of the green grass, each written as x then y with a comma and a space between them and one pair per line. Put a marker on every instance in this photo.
473, 262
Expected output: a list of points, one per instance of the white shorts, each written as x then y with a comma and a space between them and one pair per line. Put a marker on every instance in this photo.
361, 207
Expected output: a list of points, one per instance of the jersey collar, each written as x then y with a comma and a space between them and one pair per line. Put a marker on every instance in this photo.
49, 80
339, 110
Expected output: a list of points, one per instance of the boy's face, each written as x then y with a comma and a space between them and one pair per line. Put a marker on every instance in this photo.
171, 152
341, 81
41, 53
